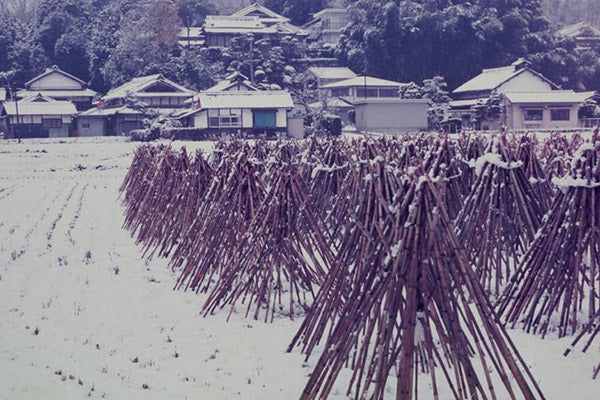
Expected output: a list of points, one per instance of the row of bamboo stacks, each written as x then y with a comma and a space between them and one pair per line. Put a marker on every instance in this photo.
406, 256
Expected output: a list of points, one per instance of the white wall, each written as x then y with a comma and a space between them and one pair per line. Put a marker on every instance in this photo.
247, 118
59, 132
527, 81
281, 118
55, 80
96, 126
516, 117
396, 116
201, 120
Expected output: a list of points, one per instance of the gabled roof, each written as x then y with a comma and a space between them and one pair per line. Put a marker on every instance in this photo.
580, 29
332, 72
53, 108
360, 81
230, 81
105, 112
54, 70
135, 86
38, 98
492, 78
253, 100
259, 10
56, 93
326, 11
549, 97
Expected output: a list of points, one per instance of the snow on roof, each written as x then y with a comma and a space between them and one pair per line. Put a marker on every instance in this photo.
137, 85
360, 81
2, 94
553, 97
52, 70
326, 11
332, 72
57, 93
41, 108
490, 79
259, 10
192, 32
104, 112
226, 84
250, 99
229, 24
579, 29
463, 103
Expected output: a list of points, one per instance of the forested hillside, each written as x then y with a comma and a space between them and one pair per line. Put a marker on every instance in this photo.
107, 42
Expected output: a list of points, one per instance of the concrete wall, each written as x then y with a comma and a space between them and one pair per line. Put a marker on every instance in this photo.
391, 116
527, 81
90, 126
515, 116
55, 80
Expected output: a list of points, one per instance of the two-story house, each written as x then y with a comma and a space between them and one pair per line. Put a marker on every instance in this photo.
327, 25
59, 85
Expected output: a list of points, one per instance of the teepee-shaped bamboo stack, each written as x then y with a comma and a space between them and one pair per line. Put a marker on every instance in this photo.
410, 314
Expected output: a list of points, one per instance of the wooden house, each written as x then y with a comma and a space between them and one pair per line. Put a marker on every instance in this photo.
327, 25
37, 117
59, 85
255, 19
240, 112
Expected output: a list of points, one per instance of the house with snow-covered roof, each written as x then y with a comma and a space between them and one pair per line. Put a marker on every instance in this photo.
585, 35
256, 19
326, 26
554, 109
123, 108
59, 85
527, 100
325, 75
152, 91
361, 87
254, 112
37, 117
235, 81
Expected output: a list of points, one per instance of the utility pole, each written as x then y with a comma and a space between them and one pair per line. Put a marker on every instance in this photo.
17, 114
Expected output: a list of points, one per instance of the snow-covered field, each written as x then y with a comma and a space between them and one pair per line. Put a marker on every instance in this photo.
82, 315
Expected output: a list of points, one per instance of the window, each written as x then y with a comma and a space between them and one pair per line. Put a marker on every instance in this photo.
388, 93
265, 119
85, 125
51, 123
370, 93
534, 115
340, 92
560, 114
225, 118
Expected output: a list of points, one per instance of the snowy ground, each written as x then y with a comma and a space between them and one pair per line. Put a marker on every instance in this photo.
82, 315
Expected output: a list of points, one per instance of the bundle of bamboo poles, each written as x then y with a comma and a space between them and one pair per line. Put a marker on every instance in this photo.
408, 313
500, 216
557, 284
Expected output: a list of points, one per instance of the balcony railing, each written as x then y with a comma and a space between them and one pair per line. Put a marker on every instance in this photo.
589, 122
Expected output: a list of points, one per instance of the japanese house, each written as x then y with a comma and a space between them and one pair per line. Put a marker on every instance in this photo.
59, 85
37, 117
327, 25
237, 112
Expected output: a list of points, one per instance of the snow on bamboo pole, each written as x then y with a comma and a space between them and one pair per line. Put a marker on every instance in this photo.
375, 189
231, 202
557, 284
409, 314
280, 256
500, 216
